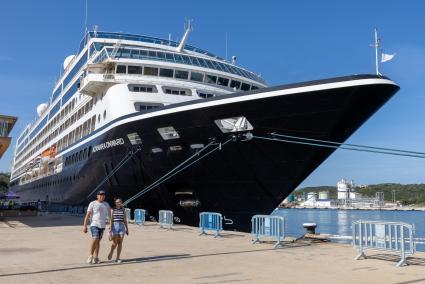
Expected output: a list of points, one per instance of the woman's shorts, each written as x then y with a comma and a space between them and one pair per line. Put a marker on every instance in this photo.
118, 228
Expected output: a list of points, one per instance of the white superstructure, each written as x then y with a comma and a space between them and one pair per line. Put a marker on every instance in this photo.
115, 74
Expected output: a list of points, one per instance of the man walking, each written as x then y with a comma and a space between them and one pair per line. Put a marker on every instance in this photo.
98, 211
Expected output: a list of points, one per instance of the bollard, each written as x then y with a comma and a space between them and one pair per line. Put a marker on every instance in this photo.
310, 228
210, 221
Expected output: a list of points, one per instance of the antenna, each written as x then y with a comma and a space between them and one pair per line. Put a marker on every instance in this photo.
226, 47
377, 45
85, 19
188, 28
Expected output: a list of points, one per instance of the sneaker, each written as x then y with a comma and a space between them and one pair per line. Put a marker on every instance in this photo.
96, 260
118, 261
90, 260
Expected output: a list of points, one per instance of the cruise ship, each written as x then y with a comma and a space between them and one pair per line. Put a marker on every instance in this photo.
167, 125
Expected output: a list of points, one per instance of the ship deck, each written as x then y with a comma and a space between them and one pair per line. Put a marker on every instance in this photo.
53, 249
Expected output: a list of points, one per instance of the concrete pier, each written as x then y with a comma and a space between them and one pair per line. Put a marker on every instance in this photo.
53, 249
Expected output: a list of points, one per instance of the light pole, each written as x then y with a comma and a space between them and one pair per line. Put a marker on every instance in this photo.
394, 197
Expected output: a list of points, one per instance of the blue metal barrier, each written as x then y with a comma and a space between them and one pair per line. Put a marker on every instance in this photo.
210, 221
128, 215
268, 226
139, 216
392, 237
166, 219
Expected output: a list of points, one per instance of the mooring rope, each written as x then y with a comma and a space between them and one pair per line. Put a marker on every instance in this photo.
179, 168
121, 163
337, 145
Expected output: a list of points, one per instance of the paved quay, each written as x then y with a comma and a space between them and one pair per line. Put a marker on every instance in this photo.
53, 249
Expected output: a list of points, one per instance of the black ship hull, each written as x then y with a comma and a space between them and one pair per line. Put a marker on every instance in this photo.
244, 177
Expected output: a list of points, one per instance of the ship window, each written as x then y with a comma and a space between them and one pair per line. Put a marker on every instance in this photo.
180, 74
245, 87
210, 79
177, 91
194, 76
168, 133
146, 106
135, 70
151, 71
223, 81
206, 95
104, 114
121, 69
254, 87
143, 88
170, 56
166, 72
235, 84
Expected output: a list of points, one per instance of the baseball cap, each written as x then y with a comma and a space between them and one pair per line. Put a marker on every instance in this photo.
101, 192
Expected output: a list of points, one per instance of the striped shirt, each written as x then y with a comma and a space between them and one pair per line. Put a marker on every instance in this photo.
118, 215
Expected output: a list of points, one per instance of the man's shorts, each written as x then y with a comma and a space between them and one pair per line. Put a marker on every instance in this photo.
96, 232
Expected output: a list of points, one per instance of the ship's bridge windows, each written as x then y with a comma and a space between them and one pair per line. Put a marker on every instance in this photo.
142, 88
195, 76
135, 70
235, 84
121, 69
177, 91
210, 79
163, 72
142, 106
245, 87
253, 87
181, 74
223, 81
151, 71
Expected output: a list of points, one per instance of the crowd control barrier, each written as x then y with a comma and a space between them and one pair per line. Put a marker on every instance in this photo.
165, 219
210, 221
392, 237
128, 215
139, 216
268, 226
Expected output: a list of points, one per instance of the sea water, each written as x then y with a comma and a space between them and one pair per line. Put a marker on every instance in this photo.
338, 222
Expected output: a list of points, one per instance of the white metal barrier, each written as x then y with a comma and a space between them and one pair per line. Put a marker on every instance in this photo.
166, 219
392, 237
268, 226
210, 221
139, 216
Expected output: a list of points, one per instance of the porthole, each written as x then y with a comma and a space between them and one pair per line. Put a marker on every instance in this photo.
104, 114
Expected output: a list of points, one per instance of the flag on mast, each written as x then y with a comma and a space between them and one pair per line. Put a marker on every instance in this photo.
387, 57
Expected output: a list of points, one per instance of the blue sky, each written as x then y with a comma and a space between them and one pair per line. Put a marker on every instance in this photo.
284, 41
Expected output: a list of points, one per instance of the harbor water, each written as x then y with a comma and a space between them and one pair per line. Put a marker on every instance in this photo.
338, 222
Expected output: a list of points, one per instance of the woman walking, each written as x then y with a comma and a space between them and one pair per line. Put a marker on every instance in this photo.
118, 228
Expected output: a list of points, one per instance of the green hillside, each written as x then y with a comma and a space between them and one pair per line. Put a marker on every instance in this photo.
405, 193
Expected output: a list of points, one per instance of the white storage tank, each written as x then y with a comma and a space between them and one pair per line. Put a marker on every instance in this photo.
311, 196
323, 195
